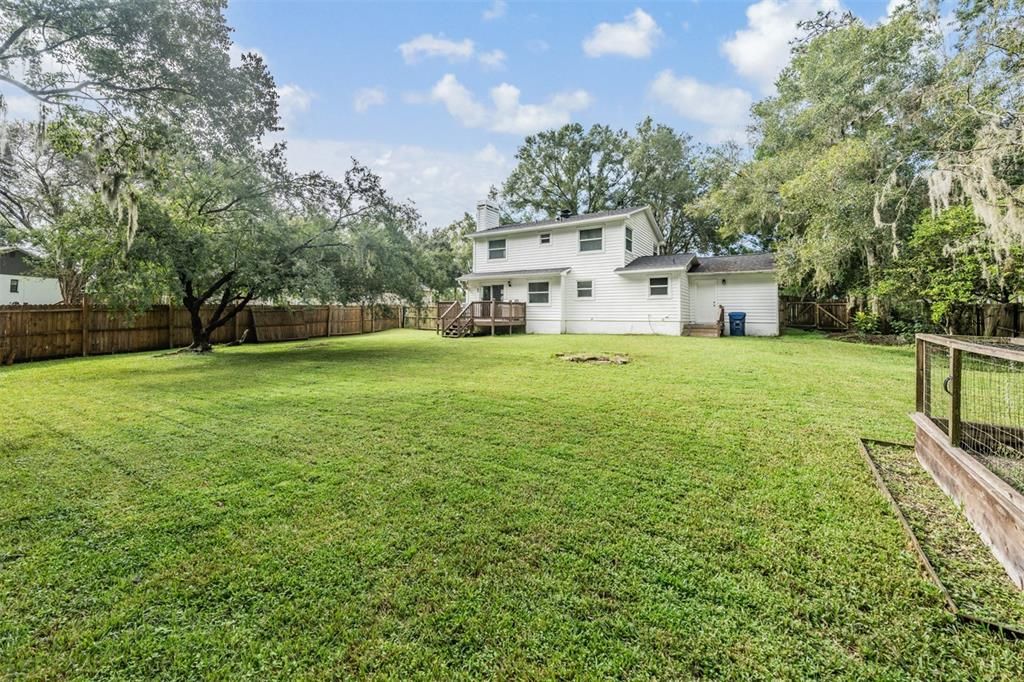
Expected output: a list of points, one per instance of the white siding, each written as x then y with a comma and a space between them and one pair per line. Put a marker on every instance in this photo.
756, 294
31, 290
622, 305
540, 318
644, 241
525, 252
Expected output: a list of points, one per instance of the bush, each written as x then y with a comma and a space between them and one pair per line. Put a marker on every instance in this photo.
865, 322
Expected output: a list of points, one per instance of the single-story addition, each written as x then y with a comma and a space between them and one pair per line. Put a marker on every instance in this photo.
600, 273
17, 286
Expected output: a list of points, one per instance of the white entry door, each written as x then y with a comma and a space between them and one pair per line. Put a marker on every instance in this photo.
703, 300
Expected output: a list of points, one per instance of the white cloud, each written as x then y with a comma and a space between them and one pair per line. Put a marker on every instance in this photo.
369, 97
761, 50
292, 100
725, 110
490, 154
495, 59
496, 10
443, 184
459, 101
428, 45
634, 37
508, 114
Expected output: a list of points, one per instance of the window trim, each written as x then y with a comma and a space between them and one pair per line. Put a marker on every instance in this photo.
629, 239
580, 240
504, 249
651, 286
591, 288
542, 236
15, 286
546, 292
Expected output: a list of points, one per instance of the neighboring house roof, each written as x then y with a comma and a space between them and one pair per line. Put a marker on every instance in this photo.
514, 273
571, 220
675, 261
752, 262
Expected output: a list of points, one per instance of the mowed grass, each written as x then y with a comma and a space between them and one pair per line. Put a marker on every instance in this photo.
403, 506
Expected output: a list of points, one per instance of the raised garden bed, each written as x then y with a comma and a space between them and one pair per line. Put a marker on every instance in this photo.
952, 554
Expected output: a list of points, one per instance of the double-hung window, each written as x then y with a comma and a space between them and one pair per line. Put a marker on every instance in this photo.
659, 286
14, 286
538, 292
592, 240
585, 289
629, 239
496, 249
545, 238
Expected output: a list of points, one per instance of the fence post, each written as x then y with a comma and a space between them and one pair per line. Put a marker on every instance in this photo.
330, 310
955, 364
919, 393
85, 325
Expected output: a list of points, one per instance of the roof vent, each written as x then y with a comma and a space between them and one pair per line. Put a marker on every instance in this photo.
565, 213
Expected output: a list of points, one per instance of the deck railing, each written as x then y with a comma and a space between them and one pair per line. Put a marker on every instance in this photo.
504, 312
493, 314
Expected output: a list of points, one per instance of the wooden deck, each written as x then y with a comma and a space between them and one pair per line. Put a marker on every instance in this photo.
455, 320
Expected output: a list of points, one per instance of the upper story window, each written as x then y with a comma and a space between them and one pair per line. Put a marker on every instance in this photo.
629, 239
14, 286
592, 240
585, 289
496, 249
538, 292
659, 286
545, 238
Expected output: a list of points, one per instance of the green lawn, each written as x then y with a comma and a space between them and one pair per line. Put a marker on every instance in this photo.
400, 505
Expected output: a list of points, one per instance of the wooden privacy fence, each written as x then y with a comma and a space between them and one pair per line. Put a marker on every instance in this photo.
57, 331
421, 318
827, 316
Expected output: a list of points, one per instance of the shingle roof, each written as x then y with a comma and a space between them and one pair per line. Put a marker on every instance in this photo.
752, 262
514, 273
553, 222
674, 261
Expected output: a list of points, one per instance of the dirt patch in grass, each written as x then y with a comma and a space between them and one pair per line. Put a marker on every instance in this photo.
595, 358
976, 582
870, 339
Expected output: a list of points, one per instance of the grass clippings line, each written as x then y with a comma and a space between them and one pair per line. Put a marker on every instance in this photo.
1008, 631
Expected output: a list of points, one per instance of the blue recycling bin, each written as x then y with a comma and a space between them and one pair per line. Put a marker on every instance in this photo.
737, 324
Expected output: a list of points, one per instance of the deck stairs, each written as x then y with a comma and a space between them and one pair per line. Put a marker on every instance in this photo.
711, 330
462, 325
708, 329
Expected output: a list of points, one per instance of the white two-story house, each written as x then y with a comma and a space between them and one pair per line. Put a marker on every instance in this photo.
601, 274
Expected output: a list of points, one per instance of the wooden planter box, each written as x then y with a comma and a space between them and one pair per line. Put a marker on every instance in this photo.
994, 508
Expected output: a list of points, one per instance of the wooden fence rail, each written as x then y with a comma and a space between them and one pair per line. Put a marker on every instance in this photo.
827, 316
39, 332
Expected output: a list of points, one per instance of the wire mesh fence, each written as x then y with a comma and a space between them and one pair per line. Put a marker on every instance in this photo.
973, 389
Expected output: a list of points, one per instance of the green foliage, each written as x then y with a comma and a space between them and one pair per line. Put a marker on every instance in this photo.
946, 266
833, 177
599, 169
866, 322
446, 255
162, 58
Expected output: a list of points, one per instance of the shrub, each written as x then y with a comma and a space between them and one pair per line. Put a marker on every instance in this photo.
865, 322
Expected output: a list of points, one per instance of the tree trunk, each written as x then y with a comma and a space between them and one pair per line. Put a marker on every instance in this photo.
200, 334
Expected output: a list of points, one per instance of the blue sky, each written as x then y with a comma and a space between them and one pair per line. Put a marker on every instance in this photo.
437, 96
